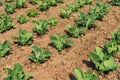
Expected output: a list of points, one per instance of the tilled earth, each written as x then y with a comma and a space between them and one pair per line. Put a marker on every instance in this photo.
60, 65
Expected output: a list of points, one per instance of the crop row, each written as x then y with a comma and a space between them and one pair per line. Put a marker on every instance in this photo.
73, 7
101, 57
84, 22
43, 6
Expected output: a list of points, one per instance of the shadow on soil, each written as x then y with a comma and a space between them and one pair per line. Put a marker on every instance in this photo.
89, 64
72, 77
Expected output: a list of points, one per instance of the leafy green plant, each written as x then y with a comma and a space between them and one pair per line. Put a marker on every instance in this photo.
59, 1
9, 1
22, 19
116, 36
60, 41
100, 10
88, 1
88, 75
115, 2
25, 37
17, 73
32, 13
33, 2
52, 2
102, 62
41, 26
73, 7
111, 48
39, 55
74, 31
0, 2
20, 3
4, 48
85, 20
65, 13
10, 8
52, 21
44, 5
6, 23
81, 3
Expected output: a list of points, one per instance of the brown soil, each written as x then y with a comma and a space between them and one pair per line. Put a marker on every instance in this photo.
60, 65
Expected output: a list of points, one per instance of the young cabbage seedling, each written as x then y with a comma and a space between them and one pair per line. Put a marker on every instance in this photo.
88, 75
25, 37
20, 3
39, 55
4, 48
41, 26
53, 2
60, 41
65, 13
33, 2
17, 73
85, 20
0, 2
45, 5
81, 3
22, 19
73, 7
115, 2
75, 31
116, 36
111, 48
10, 8
9, 1
60, 1
6, 23
32, 13
88, 1
52, 21
102, 61
100, 10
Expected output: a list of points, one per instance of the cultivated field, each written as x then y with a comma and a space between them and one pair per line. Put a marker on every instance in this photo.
36, 40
